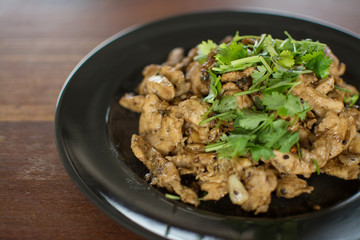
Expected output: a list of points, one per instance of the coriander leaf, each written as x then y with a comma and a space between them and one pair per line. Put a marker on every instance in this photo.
316, 166
250, 120
215, 87
227, 116
269, 45
236, 37
225, 104
270, 136
238, 143
287, 141
229, 52
352, 100
293, 105
230, 146
306, 107
258, 151
289, 105
204, 48
286, 59
307, 46
274, 101
258, 74
318, 63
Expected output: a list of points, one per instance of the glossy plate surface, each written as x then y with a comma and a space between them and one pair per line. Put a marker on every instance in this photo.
93, 137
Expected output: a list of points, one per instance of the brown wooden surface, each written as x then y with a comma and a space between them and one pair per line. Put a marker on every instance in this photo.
40, 43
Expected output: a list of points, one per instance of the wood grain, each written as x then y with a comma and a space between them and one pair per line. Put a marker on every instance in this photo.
40, 43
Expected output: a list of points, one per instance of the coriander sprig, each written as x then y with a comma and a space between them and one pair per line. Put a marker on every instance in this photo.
277, 65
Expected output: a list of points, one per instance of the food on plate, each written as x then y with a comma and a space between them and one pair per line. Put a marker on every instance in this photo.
244, 118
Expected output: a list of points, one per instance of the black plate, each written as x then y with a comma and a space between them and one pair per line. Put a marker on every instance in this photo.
93, 137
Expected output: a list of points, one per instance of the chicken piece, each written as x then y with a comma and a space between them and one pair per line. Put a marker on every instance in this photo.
326, 85
195, 147
243, 101
306, 137
289, 163
229, 86
336, 168
320, 103
338, 132
177, 78
354, 146
159, 124
349, 159
198, 86
132, 102
152, 114
175, 56
237, 75
198, 134
214, 180
160, 86
186, 61
290, 186
164, 173
259, 182
169, 136
148, 72
193, 109
305, 80
240, 163
189, 162
336, 68
355, 114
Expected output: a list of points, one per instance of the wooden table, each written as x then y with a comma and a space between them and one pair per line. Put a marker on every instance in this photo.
40, 43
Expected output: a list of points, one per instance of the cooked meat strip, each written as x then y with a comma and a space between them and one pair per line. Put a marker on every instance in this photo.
238, 75
214, 180
290, 186
198, 86
132, 102
159, 124
169, 136
336, 68
177, 78
289, 163
190, 162
326, 85
334, 167
152, 114
259, 182
336, 134
164, 173
175, 56
201, 135
149, 71
354, 146
320, 103
193, 109
349, 159
160, 86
